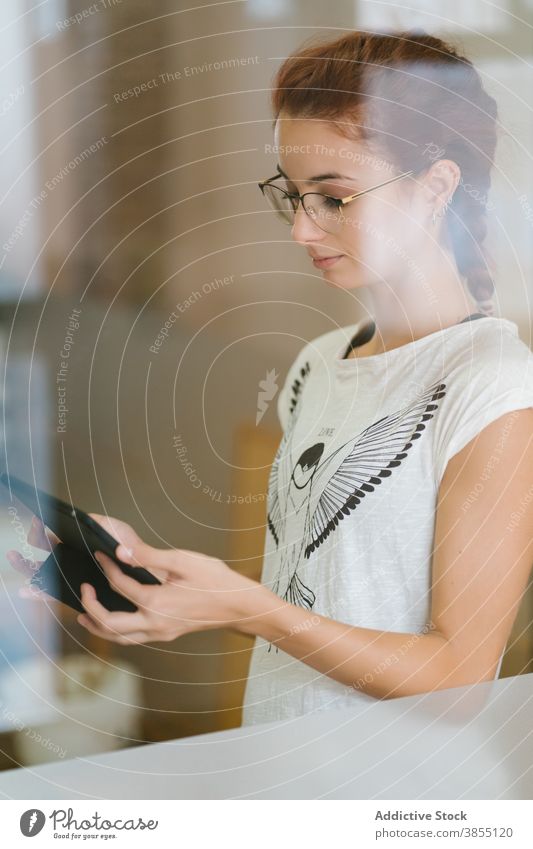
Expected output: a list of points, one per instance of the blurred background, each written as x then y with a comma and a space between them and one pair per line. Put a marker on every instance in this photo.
132, 139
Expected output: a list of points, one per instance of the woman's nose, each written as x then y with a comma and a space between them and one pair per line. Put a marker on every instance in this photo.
303, 228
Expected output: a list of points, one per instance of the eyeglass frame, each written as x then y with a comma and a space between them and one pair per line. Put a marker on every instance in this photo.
340, 202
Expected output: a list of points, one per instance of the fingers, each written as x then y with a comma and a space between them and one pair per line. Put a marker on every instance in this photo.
21, 564
122, 639
139, 594
27, 568
106, 522
34, 593
160, 561
121, 531
135, 552
110, 623
40, 536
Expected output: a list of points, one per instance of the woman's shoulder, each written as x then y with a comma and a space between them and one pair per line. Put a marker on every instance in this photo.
502, 333
488, 373
494, 351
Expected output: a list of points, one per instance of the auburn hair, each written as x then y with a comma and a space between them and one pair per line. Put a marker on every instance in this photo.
415, 98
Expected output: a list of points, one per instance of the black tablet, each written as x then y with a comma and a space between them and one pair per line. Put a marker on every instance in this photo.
72, 563
73, 527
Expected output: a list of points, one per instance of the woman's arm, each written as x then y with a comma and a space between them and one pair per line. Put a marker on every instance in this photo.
483, 552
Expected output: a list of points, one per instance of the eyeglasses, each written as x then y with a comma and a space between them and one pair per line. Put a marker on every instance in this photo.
325, 211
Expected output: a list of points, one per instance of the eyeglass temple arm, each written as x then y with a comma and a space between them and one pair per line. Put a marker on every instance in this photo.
386, 183
350, 197
269, 180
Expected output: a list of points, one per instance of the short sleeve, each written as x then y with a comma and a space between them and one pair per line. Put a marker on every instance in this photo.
473, 402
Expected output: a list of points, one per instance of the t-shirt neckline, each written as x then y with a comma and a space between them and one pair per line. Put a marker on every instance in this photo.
351, 362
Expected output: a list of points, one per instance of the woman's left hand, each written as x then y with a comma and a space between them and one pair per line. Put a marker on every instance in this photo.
197, 592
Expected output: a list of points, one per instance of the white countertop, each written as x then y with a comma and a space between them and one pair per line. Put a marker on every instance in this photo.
460, 743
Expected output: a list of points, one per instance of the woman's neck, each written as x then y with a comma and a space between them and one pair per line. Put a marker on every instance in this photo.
368, 348
413, 307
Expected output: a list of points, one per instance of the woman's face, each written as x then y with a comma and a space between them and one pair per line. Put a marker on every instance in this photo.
384, 229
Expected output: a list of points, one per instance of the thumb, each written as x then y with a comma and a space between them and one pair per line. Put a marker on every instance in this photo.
142, 554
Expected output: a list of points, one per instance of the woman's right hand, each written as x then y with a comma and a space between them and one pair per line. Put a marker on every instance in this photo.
40, 537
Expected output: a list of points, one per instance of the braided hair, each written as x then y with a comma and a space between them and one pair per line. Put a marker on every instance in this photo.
416, 97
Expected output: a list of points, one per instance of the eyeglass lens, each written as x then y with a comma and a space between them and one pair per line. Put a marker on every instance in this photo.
321, 209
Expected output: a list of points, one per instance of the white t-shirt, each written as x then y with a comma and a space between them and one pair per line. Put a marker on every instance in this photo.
353, 488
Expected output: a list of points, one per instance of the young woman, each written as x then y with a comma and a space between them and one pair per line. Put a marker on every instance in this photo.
400, 524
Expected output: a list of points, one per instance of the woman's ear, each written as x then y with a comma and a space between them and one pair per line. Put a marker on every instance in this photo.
440, 184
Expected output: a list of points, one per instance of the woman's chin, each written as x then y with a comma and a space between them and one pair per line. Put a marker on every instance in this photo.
353, 279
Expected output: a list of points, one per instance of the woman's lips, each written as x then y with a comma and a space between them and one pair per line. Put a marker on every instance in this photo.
327, 262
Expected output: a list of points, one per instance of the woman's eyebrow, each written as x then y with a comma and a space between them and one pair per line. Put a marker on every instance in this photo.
330, 176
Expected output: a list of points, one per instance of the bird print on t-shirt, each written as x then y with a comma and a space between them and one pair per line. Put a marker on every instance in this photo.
310, 493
